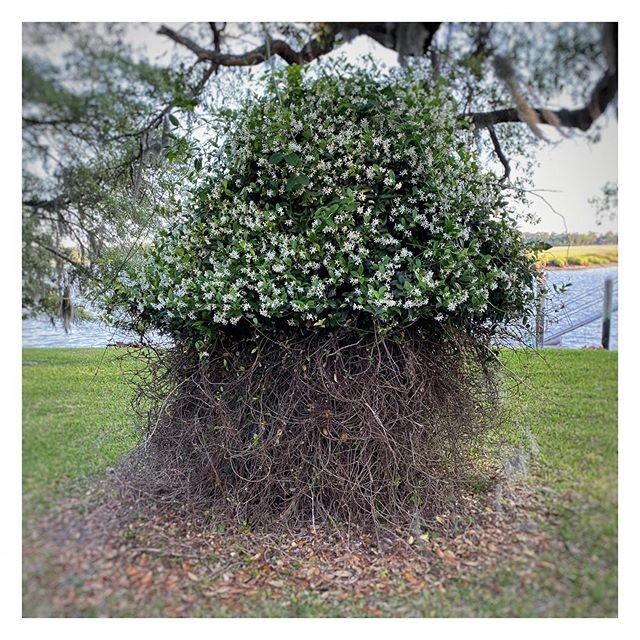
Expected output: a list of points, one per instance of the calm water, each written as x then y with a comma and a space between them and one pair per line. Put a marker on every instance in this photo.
39, 332
582, 300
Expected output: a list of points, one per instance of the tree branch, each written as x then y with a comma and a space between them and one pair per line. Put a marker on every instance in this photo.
35, 122
316, 47
499, 152
59, 255
603, 94
46, 205
389, 34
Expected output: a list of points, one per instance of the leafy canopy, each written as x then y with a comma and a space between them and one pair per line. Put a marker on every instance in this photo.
335, 199
97, 151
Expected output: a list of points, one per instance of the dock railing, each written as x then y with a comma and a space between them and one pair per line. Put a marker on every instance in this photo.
575, 312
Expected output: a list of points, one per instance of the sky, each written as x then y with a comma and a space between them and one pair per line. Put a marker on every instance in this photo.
572, 172
569, 172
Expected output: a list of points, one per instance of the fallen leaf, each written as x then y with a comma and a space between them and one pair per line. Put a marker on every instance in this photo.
409, 576
275, 583
132, 571
343, 574
449, 556
146, 580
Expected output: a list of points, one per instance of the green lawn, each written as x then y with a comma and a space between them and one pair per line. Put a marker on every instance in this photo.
568, 403
571, 408
75, 419
76, 423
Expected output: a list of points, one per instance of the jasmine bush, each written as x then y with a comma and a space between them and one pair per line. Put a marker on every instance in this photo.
334, 202
330, 283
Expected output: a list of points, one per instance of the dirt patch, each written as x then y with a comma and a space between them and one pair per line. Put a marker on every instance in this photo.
92, 559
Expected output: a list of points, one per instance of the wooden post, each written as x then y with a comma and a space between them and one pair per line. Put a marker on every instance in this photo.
542, 284
606, 312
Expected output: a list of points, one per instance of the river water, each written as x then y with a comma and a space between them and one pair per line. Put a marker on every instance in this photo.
582, 300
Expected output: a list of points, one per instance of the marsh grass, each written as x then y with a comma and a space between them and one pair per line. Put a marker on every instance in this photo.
579, 256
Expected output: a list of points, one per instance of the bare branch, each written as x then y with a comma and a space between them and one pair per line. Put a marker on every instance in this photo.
35, 122
499, 152
59, 255
390, 34
46, 205
316, 47
603, 94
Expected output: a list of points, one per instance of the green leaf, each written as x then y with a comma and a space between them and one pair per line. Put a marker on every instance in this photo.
276, 158
174, 121
296, 181
539, 246
293, 159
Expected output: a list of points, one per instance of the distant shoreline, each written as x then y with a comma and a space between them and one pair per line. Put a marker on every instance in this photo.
579, 256
578, 267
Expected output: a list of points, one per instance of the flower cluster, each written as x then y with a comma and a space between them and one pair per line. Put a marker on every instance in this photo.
335, 201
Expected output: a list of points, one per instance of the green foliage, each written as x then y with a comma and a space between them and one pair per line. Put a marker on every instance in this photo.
579, 256
606, 203
578, 261
555, 239
95, 151
334, 201
98, 129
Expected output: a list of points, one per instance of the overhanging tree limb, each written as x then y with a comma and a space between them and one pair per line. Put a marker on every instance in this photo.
499, 152
53, 204
406, 38
603, 94
390, 34
313, 49
60, 256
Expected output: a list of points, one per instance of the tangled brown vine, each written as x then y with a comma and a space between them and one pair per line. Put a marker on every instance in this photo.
363, 427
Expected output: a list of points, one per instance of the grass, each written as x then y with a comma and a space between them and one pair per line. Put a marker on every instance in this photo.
580, 256
571, 409
76, 424
75, 419
569, 406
